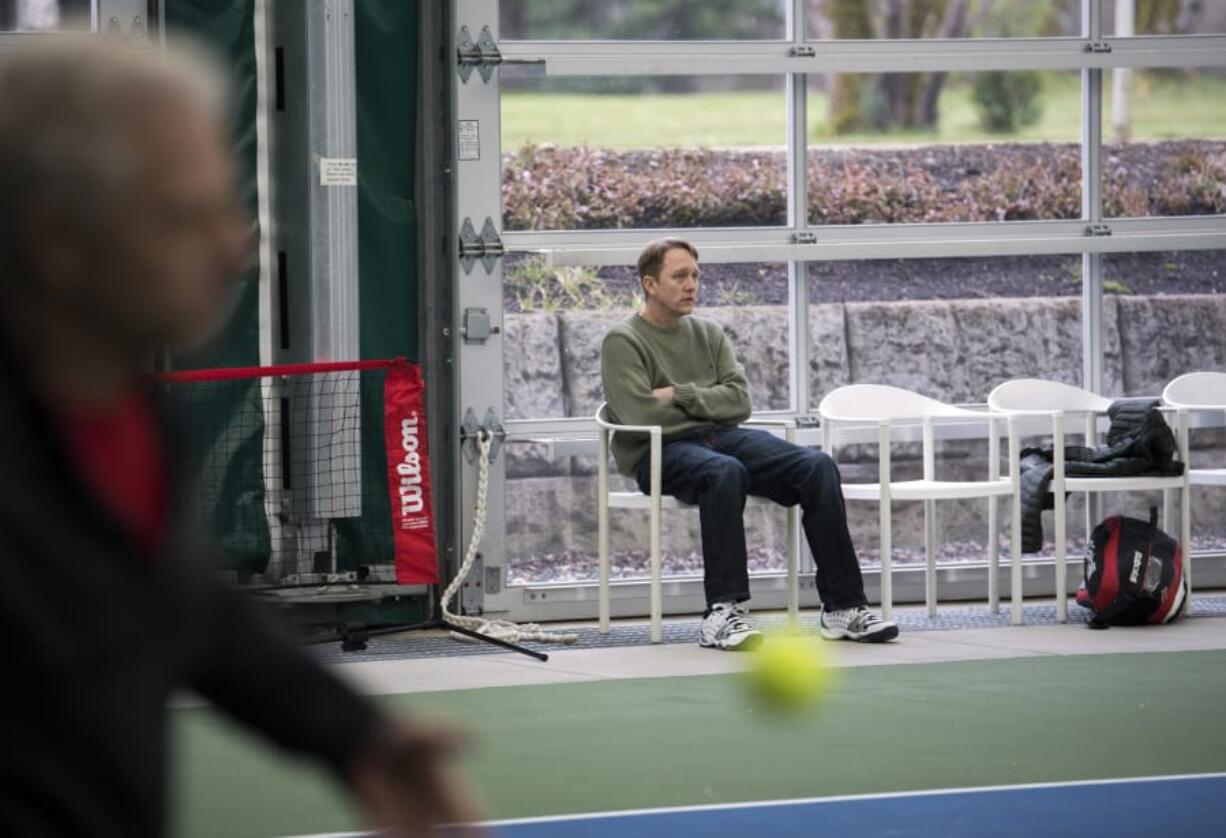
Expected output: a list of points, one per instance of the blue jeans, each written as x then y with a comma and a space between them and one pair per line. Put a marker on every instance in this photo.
715, 468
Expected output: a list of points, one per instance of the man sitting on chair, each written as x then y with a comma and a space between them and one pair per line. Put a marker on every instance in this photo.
663, 366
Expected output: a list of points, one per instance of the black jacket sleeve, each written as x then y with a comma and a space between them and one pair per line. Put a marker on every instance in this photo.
257, 675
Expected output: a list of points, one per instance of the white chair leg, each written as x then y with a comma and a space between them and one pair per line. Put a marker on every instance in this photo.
1015, 525
885, 535
1093, 500
657, 598
602, 518
1061, 515
1168, 508
993, 555
1185, 511
1015, 562
1185, 543
603, 586
887, 561
793, 557
1061, 557
930, 558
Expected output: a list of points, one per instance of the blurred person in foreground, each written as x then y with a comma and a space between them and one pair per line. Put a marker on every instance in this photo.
120, 232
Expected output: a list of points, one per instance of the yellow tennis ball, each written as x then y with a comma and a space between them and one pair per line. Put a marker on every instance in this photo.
790, 672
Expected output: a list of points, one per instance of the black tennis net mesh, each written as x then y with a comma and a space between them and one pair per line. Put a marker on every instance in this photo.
310, 474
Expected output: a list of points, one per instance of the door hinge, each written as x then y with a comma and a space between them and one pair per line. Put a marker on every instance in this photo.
487, 247
482, 54
469, 429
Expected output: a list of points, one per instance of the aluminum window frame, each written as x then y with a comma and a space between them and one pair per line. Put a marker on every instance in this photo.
795, 57
651, 58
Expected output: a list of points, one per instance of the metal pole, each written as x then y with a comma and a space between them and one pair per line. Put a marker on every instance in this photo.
1121, 77
799, 338
435, 269
1091, 205
1091, 214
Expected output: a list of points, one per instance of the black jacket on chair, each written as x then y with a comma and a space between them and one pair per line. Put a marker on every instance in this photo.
1139, 442
96, 639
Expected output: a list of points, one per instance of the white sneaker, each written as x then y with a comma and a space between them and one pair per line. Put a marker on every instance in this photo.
857, 624
728, 627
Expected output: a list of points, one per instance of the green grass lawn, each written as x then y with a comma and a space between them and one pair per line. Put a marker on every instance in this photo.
1162, 109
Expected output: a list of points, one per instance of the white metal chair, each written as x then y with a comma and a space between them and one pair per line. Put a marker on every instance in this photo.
655, 502
1058, 401
888, 409
1195, 391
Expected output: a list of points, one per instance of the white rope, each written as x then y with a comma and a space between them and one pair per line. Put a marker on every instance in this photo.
499, 629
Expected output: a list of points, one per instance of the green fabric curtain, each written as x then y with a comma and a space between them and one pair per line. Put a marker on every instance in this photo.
385, 34
386, 47
228, 447
385, 40
226, 27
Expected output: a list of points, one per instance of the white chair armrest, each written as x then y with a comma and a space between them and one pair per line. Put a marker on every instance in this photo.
1034, 414
779, 423
631, 429
788, 425
896, 421
601, 422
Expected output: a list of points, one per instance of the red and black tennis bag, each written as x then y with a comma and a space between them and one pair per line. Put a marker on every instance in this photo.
1133, 573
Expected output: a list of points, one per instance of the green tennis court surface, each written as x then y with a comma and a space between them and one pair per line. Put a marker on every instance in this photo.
684, 741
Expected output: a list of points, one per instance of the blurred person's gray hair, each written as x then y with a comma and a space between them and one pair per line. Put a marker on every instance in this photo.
67, 103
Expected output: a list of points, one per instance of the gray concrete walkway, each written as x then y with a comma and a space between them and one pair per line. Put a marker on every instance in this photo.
570, 665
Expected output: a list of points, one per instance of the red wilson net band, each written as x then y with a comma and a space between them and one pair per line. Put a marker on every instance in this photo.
311, 474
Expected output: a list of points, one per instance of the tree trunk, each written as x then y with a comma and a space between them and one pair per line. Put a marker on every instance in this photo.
953, 25
906, 100
850, 20
1121, 77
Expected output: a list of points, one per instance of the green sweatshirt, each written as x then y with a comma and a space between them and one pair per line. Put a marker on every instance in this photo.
694, 357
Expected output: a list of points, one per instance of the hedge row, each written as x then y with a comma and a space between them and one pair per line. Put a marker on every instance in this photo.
546, 187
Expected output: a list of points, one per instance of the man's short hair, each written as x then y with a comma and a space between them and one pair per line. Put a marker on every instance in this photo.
651, 260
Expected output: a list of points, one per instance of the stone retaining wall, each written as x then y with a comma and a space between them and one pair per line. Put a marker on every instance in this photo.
954, 350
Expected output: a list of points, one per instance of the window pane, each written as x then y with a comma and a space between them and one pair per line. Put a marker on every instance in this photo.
44, 15
1172, 315
1179, 18
1206, 450
671, 151
1172, 321
951, 329
1164, 143
551, 526
555, 319
860, 20
634, 20
921, 147
554, 322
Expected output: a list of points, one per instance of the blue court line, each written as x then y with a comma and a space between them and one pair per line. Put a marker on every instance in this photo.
1192, 805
